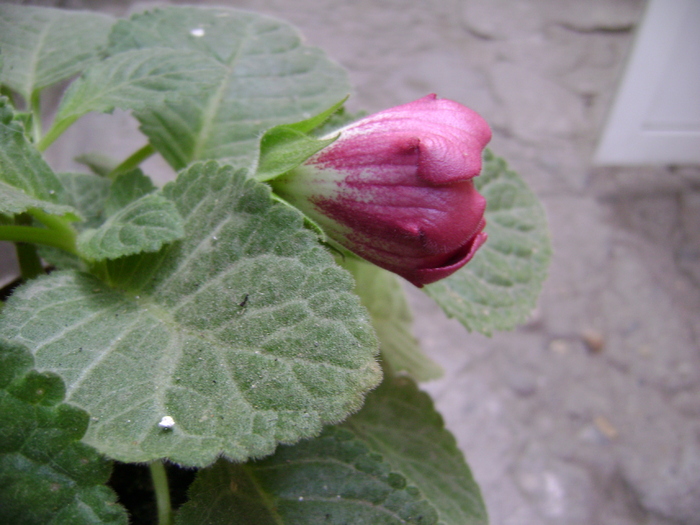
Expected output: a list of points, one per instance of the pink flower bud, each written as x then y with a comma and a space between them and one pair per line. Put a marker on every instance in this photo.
396, 188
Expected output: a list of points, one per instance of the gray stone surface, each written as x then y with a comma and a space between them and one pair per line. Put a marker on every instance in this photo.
590, 413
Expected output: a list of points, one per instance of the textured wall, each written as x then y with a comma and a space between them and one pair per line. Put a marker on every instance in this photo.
589, 414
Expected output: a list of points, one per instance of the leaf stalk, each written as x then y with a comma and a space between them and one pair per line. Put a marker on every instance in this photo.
35, 104
32, 234
133, 161
55, 131
160, 486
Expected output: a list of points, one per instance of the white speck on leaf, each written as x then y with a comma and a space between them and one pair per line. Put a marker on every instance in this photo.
167, 422
197, 31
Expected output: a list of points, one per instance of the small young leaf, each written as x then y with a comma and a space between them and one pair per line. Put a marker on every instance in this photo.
391, 463
26, 181
381, 293
122, 218
271, 78
245, 332
88, 194
127, 188
46, 474
283, 149
145, 225
286, 146
498, 289
42, 46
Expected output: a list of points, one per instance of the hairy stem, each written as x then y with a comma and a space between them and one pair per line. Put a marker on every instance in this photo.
160, 486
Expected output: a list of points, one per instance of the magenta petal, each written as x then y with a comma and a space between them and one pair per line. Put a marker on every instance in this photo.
422, 276
396, 188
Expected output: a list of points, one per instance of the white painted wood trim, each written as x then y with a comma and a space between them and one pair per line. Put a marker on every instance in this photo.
636, 133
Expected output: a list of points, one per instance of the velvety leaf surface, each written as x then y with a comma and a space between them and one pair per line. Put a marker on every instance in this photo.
127, 188
138, 220
137, 79
499, 287
88, 194
144, 225
42, 46
270, 78
391, 463
381, 293
245, 332
26, 181
47, 476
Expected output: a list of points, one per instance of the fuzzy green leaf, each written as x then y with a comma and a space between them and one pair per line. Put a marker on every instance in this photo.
499, 287
121, 218
47, 476
271, 78
127, 188
26, 181
391, 463
137, 79
381, 293
145, 225
138, 220
88, 194
245, 332
42, 46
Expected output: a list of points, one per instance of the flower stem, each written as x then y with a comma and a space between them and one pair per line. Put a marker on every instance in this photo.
160, 486
133, 160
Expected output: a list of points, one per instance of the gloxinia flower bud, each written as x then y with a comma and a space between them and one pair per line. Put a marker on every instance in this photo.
396, 188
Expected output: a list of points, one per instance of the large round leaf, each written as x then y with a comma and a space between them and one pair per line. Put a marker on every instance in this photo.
245, 332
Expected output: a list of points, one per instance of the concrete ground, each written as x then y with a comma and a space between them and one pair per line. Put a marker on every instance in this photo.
590, 413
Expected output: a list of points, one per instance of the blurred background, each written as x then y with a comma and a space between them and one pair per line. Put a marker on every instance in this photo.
589, 414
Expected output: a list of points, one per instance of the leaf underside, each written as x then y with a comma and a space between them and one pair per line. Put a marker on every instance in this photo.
244, 332
381, 293
499, 287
